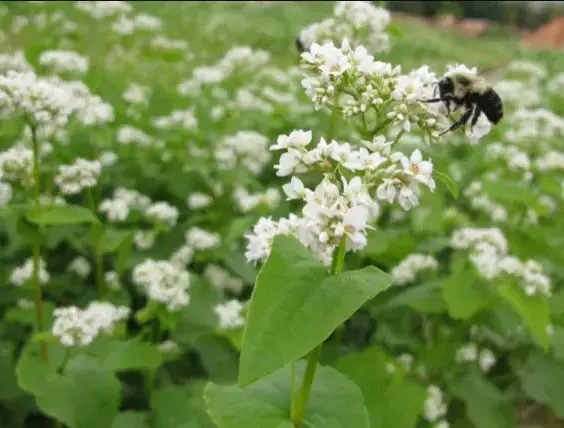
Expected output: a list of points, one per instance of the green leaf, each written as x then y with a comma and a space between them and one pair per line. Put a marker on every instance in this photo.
335, 402
218, 358
294, 290
198, 318
485, 404
542, 378
117, 355
426, 298
85, 396
509, 192
9, 385
466, 294
533, 310
113, 238
177, 407
391, 401
449, 182
131, 420
61, 214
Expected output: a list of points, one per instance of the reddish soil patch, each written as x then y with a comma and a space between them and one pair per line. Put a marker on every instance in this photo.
549, 36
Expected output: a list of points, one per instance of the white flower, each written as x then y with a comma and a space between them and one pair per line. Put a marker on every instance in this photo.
163, 212
144, 239
80, 266
42, 102
229, 314
221, 279
467, 353
183, 256
111, 279
83, 174
419, 169
197, 201
163, 282
62, 61
201, 239
434, 408
295, 189
79, 327
407, 198
298, 139
480, 129
487, 360
406, 271
23, 274
16, 164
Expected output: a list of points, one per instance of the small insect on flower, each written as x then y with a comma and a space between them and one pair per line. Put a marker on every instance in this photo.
473, 92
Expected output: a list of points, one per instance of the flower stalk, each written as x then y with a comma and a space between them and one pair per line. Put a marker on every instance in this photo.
39, 318
315, 354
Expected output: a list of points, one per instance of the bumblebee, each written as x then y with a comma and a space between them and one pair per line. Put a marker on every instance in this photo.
472, 92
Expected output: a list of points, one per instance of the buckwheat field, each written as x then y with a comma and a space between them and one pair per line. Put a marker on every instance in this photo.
247, 215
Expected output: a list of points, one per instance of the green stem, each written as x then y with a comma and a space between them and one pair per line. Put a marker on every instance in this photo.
313, 356
37, 256
96, 238
37, 249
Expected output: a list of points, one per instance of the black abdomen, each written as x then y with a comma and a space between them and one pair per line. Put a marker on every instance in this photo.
490, 103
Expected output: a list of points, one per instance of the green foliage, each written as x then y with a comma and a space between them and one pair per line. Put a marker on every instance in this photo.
335, 401
295, 290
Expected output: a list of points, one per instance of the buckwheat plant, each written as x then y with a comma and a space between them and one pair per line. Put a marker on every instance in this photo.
302, 295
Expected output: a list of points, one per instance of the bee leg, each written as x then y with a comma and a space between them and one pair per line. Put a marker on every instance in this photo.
460, 122
436, 100
477, 113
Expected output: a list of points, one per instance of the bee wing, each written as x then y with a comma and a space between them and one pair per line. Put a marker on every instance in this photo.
494, 73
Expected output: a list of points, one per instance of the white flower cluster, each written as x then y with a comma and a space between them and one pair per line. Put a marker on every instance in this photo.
89, 108
229, 314
435, 407
63, 61
16, 164
517, 160
237, 60
126, 25
163, 282
183, 256
14, 61
177, 118
247, 148
111, 278
22, 274
128, 134
249, 201
352, 82
83, 174
201, 240
123, 202
163, 212
41, 102
551, 161
103, 9
137, 94
534, 124
489, 254
197, 201
482, 202
221, 279
5, 193
80, 266
406, 271
359, 21
79, 327
339, 208
556, 84
518, 93
164, 43
469, 353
